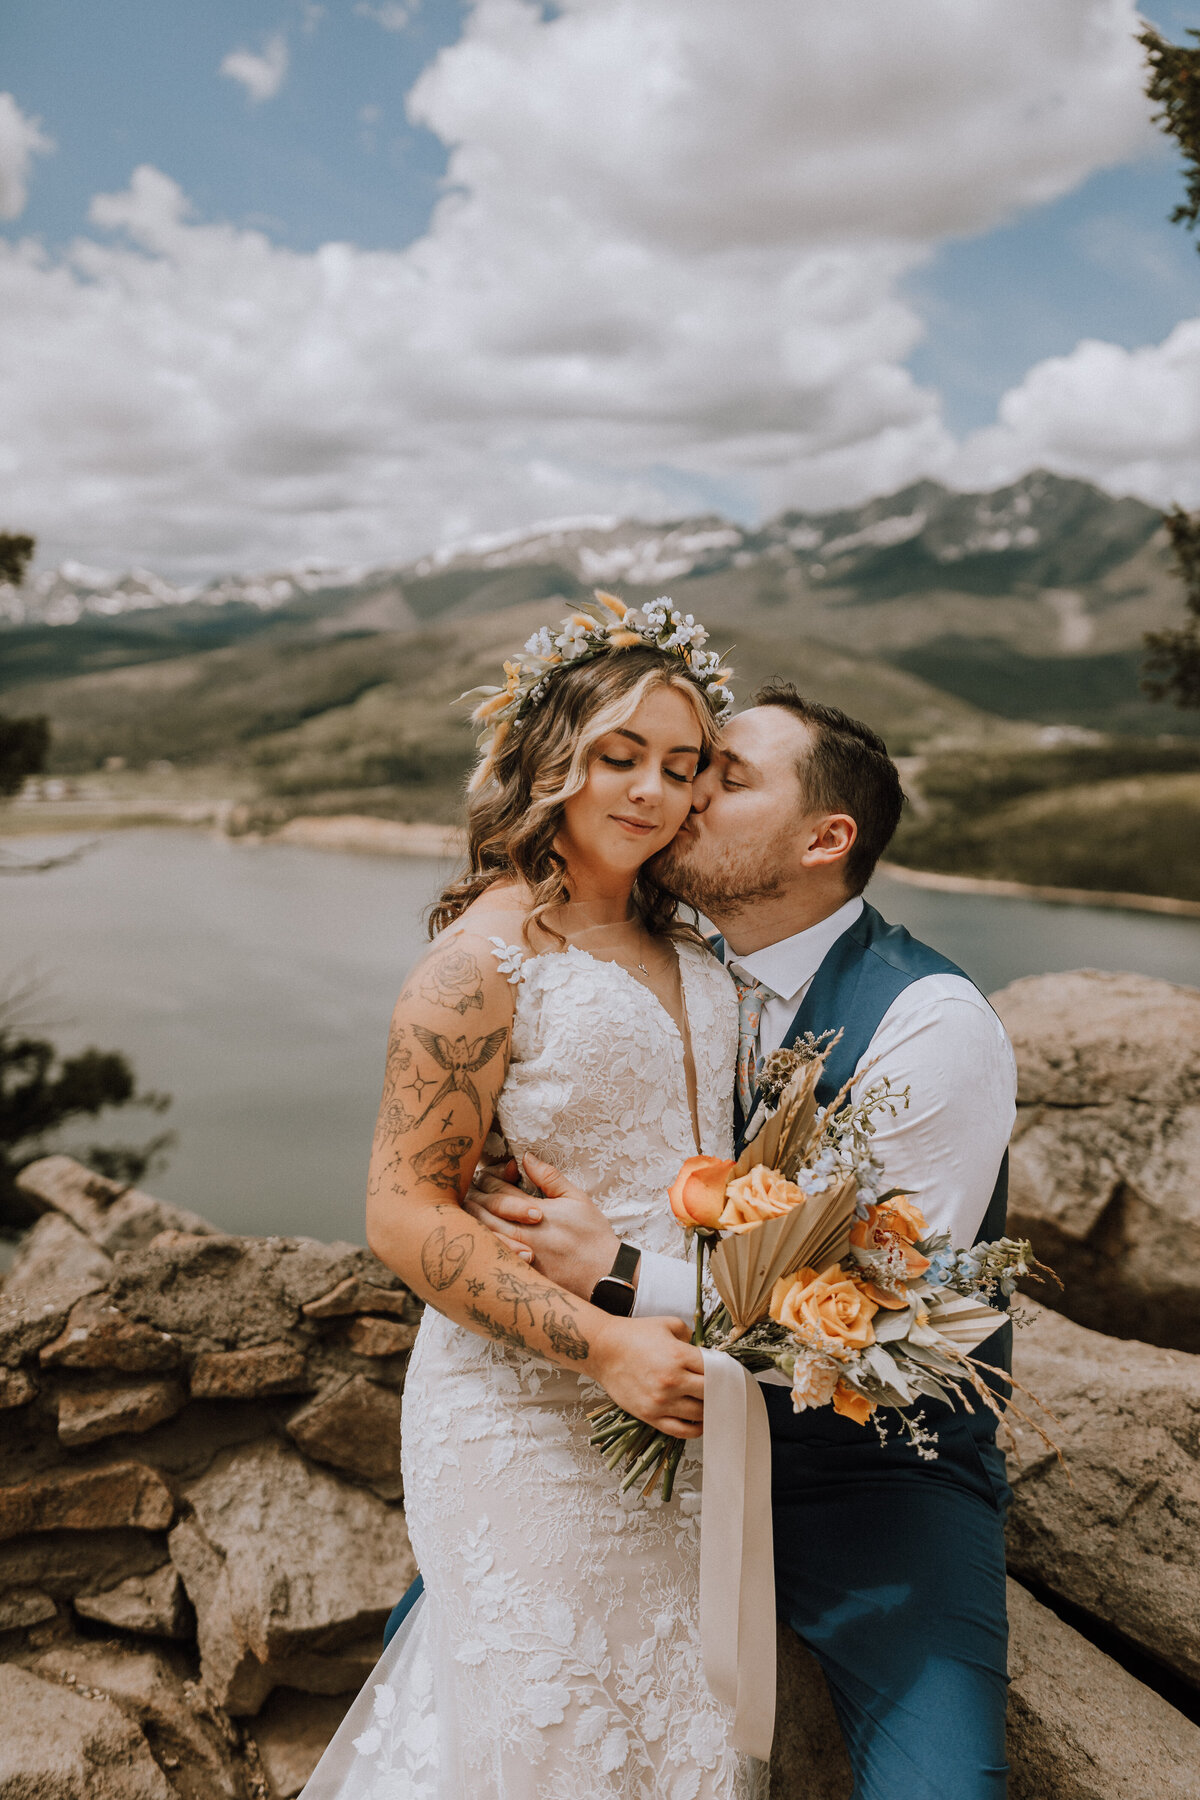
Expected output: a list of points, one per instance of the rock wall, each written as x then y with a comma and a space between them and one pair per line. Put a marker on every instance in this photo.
201, 1519
201, 1507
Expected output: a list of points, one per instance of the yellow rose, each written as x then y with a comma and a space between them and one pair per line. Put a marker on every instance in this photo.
762, 1194
697, 1193
851, 1404
829, 1307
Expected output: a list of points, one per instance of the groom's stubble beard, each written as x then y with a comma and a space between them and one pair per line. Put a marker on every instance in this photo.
724, 879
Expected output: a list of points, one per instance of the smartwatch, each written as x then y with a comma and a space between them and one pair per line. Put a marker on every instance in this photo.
615, 1292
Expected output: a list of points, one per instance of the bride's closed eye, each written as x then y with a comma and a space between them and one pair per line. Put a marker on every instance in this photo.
626, 762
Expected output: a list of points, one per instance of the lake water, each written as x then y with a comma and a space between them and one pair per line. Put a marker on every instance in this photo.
255, 984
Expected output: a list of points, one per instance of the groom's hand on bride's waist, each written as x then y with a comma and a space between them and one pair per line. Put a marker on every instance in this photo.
562, 1233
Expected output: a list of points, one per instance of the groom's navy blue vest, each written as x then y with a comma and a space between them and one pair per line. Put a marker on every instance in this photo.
864, 971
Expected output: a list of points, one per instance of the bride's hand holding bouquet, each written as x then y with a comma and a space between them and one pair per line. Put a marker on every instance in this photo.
652, 1371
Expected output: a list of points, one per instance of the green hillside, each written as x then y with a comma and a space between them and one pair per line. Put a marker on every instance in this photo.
371, 716
1134, 835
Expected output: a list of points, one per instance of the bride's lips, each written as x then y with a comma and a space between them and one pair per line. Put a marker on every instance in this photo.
640, 827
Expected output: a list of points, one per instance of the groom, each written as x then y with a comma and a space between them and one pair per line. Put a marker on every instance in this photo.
890, 1568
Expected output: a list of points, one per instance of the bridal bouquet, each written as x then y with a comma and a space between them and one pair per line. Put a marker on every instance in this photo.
818, 1274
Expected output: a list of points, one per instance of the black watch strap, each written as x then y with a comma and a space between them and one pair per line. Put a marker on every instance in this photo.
625, 1264
615, 1292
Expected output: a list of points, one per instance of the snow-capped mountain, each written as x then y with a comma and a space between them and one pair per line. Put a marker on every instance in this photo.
1042, 531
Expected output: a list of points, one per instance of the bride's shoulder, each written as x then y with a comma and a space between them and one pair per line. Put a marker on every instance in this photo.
490, 932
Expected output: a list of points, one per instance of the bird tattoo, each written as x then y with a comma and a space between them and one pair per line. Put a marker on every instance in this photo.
460, 1058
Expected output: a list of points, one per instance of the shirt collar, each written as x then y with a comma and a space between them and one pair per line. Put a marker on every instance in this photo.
785, 967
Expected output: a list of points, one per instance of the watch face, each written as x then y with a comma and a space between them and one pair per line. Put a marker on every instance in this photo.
613, 1296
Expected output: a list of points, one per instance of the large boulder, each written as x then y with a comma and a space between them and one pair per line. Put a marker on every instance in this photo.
187, 1736
216, 1293
56, 1261
355, 1426
58, 1744
64, 1564
291, 1734
111, 1213
1079, 1726
1116, 1528
292, 1574
99, 1499
1106, 1150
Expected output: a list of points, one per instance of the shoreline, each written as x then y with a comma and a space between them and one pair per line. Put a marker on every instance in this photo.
362, 834
1165, 905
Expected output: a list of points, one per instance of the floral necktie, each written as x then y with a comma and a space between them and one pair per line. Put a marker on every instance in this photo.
752, 997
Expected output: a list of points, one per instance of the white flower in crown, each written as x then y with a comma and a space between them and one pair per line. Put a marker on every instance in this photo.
608, 625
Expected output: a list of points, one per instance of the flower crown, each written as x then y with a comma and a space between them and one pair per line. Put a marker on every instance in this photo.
608, 625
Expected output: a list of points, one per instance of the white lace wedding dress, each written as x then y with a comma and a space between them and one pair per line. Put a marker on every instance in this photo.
555, 1654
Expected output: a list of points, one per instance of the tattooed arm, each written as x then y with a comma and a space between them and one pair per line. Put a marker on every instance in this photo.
447, 1058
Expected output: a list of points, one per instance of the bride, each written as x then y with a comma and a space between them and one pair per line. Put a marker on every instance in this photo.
555, 1653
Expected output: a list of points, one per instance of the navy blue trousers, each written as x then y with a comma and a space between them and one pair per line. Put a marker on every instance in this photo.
892, 1572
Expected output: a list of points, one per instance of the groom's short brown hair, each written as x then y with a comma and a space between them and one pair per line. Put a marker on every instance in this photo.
848, 770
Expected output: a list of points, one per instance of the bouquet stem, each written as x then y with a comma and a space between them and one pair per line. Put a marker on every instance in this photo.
698, 1327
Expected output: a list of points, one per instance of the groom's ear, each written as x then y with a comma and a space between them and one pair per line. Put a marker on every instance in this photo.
831, 837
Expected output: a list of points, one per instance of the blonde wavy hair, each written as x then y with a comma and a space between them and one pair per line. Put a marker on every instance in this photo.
514, 816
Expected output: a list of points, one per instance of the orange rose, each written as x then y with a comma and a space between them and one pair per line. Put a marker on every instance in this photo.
905, 1218
851, 1404
828, 1306
886, 1225
697, 1193
762, 1194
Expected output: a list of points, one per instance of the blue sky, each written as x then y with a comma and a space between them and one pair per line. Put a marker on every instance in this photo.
1103, 262
332, 156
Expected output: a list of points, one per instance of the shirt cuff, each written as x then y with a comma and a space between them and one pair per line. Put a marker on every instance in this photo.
666, 1288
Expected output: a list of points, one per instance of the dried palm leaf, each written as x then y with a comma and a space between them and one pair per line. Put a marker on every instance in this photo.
746, 1266
964, 1321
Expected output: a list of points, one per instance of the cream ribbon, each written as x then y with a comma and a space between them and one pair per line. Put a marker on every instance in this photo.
737, 1561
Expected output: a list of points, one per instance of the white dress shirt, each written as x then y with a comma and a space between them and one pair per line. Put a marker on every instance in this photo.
940, 1039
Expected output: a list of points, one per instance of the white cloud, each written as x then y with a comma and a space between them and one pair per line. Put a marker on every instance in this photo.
1129, 419
262, 75
393, 15
21, 139
665, 275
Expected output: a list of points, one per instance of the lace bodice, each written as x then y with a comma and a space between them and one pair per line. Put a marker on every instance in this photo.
597, 1085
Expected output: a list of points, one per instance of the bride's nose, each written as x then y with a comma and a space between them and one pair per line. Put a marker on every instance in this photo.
647, 783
